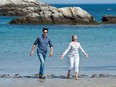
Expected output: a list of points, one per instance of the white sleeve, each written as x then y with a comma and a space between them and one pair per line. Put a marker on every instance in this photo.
66, 51
82, 50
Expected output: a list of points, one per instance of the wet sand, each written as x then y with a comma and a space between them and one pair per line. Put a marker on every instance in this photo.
95, 80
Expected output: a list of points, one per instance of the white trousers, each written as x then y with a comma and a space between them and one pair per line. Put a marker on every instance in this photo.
74, 62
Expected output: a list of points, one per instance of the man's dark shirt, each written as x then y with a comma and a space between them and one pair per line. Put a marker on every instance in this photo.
43, 43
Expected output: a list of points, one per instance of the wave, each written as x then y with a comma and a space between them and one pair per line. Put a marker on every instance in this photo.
109, 9
60, 76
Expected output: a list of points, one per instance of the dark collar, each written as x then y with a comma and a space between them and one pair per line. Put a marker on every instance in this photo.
43, 36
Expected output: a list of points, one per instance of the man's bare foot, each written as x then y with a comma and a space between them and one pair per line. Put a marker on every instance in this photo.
68, 74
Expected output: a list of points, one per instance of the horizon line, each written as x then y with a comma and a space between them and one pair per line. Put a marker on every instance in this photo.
81, 3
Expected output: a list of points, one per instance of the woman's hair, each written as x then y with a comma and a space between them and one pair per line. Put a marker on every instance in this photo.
74, 37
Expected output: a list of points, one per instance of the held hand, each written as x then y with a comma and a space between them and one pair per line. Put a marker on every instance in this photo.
61, 57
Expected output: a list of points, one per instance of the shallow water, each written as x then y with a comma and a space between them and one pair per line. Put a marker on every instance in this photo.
16, 41
99, 41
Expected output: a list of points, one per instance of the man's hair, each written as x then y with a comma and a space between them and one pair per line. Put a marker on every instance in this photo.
45, 29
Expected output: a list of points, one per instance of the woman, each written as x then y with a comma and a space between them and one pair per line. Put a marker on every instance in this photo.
74, 46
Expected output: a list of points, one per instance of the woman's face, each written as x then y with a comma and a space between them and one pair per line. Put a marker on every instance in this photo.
74, 37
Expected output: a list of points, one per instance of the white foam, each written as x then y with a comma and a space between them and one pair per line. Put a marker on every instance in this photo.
109, 9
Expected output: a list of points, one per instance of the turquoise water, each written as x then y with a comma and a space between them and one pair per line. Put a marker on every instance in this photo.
99, 41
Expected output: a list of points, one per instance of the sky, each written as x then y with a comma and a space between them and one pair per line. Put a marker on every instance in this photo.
78, 1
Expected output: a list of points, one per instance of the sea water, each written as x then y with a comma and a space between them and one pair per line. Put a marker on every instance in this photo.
99, 41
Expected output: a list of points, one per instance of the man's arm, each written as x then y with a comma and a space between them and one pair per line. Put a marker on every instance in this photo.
51, 51
32, 50
51, 48
34, 45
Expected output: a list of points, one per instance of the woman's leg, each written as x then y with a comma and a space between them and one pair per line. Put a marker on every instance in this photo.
76, 75
76, 67
71, 66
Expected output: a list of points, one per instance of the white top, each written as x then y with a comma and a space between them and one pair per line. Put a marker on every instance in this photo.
73, 48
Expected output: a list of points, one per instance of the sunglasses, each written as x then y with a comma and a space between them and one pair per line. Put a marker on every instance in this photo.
45, 32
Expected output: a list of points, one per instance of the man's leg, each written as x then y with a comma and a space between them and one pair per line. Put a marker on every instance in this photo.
42, 62
44, 58
68, 74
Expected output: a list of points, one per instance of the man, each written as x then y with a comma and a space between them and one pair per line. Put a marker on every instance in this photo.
42, 42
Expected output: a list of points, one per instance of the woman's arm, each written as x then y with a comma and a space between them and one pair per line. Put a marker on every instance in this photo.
66, 51
83, 51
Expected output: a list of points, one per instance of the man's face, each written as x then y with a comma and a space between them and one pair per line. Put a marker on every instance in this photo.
45, 33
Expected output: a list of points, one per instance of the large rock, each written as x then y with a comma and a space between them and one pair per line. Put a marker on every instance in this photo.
21, 2
25, 20
21, 7
109, 19
75, 12
35, 12
67, 15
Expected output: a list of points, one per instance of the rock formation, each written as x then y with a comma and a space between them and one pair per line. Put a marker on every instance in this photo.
34, 12
20, 7
109, 19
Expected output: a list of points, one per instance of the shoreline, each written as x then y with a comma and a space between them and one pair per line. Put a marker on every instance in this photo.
58, 81
52, 76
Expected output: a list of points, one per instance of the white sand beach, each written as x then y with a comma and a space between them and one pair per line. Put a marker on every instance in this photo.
27, 82
58, 82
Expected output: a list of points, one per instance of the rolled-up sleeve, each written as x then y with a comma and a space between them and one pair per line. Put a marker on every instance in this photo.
36, 41
50, 43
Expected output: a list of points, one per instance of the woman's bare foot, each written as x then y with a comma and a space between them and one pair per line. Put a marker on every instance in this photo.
77, 78
76, 74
